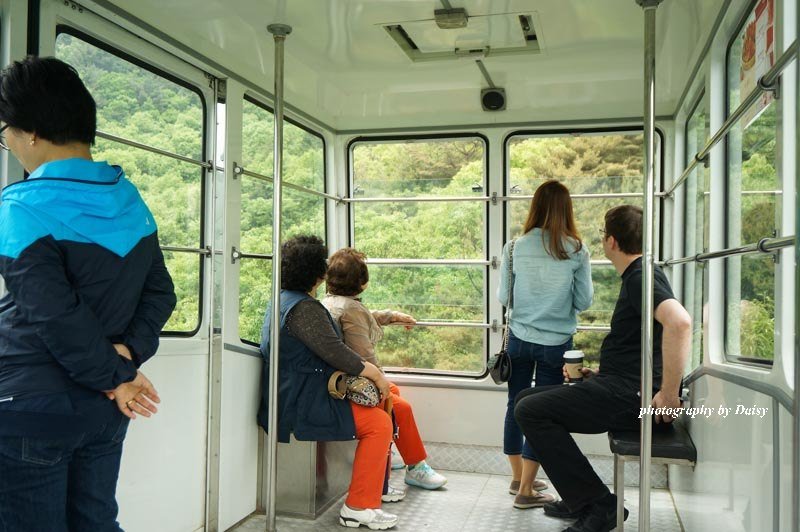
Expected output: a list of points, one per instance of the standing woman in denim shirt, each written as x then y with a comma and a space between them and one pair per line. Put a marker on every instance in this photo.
552, 282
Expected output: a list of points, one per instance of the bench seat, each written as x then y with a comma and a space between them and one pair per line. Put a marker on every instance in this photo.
671, 444
671, 441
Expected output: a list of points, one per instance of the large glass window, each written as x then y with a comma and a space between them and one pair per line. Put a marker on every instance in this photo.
697, 193
303, 211
601, 170
753, 192
424, 199
140, 105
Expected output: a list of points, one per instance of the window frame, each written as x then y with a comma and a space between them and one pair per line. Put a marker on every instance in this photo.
687, 157
269, 257
699, 100
64, 28
368, 139
753, 362
563, 132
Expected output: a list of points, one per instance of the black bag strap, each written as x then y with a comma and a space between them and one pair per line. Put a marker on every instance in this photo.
510, 293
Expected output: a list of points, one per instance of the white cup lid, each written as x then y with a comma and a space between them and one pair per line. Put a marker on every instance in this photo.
573, 354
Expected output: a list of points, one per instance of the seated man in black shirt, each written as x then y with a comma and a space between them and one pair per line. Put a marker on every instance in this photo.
608, 399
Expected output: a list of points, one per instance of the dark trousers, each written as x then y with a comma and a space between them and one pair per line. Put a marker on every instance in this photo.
61, 484
547, 416
529, 361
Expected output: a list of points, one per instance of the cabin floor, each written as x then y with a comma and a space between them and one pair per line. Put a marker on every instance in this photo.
473, 502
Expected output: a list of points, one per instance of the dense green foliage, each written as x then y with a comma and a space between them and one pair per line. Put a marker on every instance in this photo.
147, 108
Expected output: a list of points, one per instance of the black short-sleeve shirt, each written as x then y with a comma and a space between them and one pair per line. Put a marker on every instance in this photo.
621, 351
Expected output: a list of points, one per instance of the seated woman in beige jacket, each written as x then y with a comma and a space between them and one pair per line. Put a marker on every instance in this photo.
347, 278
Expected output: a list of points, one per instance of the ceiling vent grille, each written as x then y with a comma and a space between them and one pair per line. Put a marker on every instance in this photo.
481, 36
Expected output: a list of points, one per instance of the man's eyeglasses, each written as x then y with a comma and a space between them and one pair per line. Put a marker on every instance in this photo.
3, 144
603, 232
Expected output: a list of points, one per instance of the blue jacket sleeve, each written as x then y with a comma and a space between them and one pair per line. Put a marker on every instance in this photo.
154, 309
38, 284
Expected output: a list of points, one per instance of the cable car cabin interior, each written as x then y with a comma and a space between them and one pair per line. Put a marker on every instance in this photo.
417, 132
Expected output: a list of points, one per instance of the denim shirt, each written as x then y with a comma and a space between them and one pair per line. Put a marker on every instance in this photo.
548, 292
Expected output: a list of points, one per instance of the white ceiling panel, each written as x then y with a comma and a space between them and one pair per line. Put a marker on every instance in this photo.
344, 69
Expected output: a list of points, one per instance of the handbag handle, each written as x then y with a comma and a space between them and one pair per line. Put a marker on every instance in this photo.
510, 293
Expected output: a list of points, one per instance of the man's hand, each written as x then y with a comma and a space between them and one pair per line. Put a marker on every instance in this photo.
588, 373
664, 400
134, 397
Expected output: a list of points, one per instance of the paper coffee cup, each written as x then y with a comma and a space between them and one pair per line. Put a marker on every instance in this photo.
573, 360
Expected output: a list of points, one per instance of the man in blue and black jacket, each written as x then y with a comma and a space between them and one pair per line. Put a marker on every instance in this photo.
88, 295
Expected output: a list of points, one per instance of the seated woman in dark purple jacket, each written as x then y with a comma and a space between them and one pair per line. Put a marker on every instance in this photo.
88, 294
311, 349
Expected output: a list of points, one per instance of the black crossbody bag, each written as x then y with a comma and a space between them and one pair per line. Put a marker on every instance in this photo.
500, 363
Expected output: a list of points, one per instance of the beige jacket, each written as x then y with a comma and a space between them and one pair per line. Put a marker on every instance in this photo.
360, 327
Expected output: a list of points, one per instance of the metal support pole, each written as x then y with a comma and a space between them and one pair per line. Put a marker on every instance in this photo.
796, 404
648, 236
213, 438
279, 33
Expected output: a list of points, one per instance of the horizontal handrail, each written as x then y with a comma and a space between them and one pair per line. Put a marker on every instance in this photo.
753, 192
761, 192
765, 245
122, 140
765, 83
596, 328
238, 255
682, 260
465, 324
178, 249
241, 170
476, 325
603, 195
768, 245
430, 262
752, 384
421, 199
493, 198
455, 262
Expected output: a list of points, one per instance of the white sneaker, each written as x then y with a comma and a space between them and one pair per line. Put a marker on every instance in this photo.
397, 460
374, 519
423, 476
393, 495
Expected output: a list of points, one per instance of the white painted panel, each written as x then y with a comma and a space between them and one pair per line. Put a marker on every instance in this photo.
731, 487
238, 469
162, 480
473, 417
786, 465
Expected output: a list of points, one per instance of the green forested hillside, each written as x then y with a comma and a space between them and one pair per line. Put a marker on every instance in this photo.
142, 106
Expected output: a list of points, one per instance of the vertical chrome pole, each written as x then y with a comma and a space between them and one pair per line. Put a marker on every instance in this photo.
648, 233
213, 434
796, 404
279, 33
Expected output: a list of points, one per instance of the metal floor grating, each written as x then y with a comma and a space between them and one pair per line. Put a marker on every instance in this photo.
472, 502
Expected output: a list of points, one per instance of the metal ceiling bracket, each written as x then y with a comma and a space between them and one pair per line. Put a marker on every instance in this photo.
450, 19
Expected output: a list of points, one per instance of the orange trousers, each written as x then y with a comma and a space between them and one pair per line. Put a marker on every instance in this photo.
374, 434
408, 441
